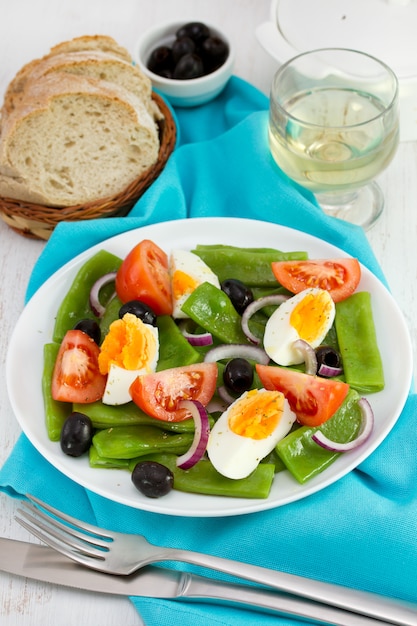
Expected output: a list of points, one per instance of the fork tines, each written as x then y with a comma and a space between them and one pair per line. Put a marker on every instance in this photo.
63, 532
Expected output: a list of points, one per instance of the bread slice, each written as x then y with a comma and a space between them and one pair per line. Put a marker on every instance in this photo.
85, 43
104, 43
74, 139
97, 64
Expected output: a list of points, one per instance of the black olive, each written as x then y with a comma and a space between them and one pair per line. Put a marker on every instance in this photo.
239, 294
328, 356
214, 52
152, 479
238, 375
160, 60
141, 310
194, 52
167, 73
197, 31
189, 66
182, 46
76, 434
90, 328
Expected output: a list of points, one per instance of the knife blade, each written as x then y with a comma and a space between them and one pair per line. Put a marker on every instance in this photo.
47, 565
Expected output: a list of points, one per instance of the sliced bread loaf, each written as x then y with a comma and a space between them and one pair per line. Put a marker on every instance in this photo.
74, 139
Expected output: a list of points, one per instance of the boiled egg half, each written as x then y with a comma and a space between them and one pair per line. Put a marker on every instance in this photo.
247, 431
188, 271
308, 315
130, 349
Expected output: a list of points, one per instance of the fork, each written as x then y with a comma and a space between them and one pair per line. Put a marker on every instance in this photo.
122, 554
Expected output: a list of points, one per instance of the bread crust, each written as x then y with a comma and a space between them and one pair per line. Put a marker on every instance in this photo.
96, 64
105, 43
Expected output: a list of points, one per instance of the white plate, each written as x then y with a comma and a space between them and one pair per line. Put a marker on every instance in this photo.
35, 326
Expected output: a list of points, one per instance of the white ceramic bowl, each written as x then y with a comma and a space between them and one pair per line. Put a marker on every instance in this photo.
183, 93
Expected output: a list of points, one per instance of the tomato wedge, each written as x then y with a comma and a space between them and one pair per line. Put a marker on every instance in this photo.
339, 277
313, 399
159, 394
144, 276
76, 376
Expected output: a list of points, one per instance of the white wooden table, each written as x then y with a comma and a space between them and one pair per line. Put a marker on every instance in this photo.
28, 28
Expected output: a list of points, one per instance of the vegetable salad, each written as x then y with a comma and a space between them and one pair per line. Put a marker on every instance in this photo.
214, 369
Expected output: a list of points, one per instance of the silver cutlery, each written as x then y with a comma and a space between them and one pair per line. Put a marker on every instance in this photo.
123, 554
45, 564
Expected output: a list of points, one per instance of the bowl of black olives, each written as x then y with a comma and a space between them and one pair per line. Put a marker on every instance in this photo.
188, 62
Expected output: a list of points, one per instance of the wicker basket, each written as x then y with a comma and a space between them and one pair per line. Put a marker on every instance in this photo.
38, 222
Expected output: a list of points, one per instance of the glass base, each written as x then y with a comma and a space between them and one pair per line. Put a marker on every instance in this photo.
362, 207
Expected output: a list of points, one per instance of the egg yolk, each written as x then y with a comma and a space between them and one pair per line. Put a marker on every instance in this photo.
311, 315
257, 414
128, 344
182, 284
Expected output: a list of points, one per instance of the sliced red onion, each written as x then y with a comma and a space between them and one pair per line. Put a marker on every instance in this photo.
225, 395
201, 339
364, 432
201, 434
308, 354
234, 350
328, 371
256, 305
95, 304
217, 405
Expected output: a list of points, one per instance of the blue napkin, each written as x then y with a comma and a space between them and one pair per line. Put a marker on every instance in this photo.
361, 531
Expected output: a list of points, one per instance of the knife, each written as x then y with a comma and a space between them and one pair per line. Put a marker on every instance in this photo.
47, 565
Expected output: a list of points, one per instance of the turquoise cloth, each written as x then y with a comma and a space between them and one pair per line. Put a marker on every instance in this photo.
361, 531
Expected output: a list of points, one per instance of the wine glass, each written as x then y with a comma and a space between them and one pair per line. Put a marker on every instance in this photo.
334, 126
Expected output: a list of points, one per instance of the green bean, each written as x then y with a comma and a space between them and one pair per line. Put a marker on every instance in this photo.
111, 313
55, 412
356, 335
128, 442
250, 265
107, 416
303, 457
204, 479
174, 349
101, 462
75, 306
212, 309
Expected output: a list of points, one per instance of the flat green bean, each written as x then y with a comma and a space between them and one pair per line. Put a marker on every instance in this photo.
174, 349
55, 412
75, 306
100, 462
128, 442
107, 416
111, 313
250, 265
303, 457
212, 309
204, 479
356, 335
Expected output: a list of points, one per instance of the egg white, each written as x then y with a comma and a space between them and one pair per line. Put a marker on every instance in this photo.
280, 335
236, 456
196, 268
120, 379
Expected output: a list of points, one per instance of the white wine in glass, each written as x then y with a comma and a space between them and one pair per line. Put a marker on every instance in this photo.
334, 127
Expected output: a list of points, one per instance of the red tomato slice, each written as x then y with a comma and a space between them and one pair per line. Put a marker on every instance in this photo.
339, 277
159, 394
76, 376
144, 276
313, 399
